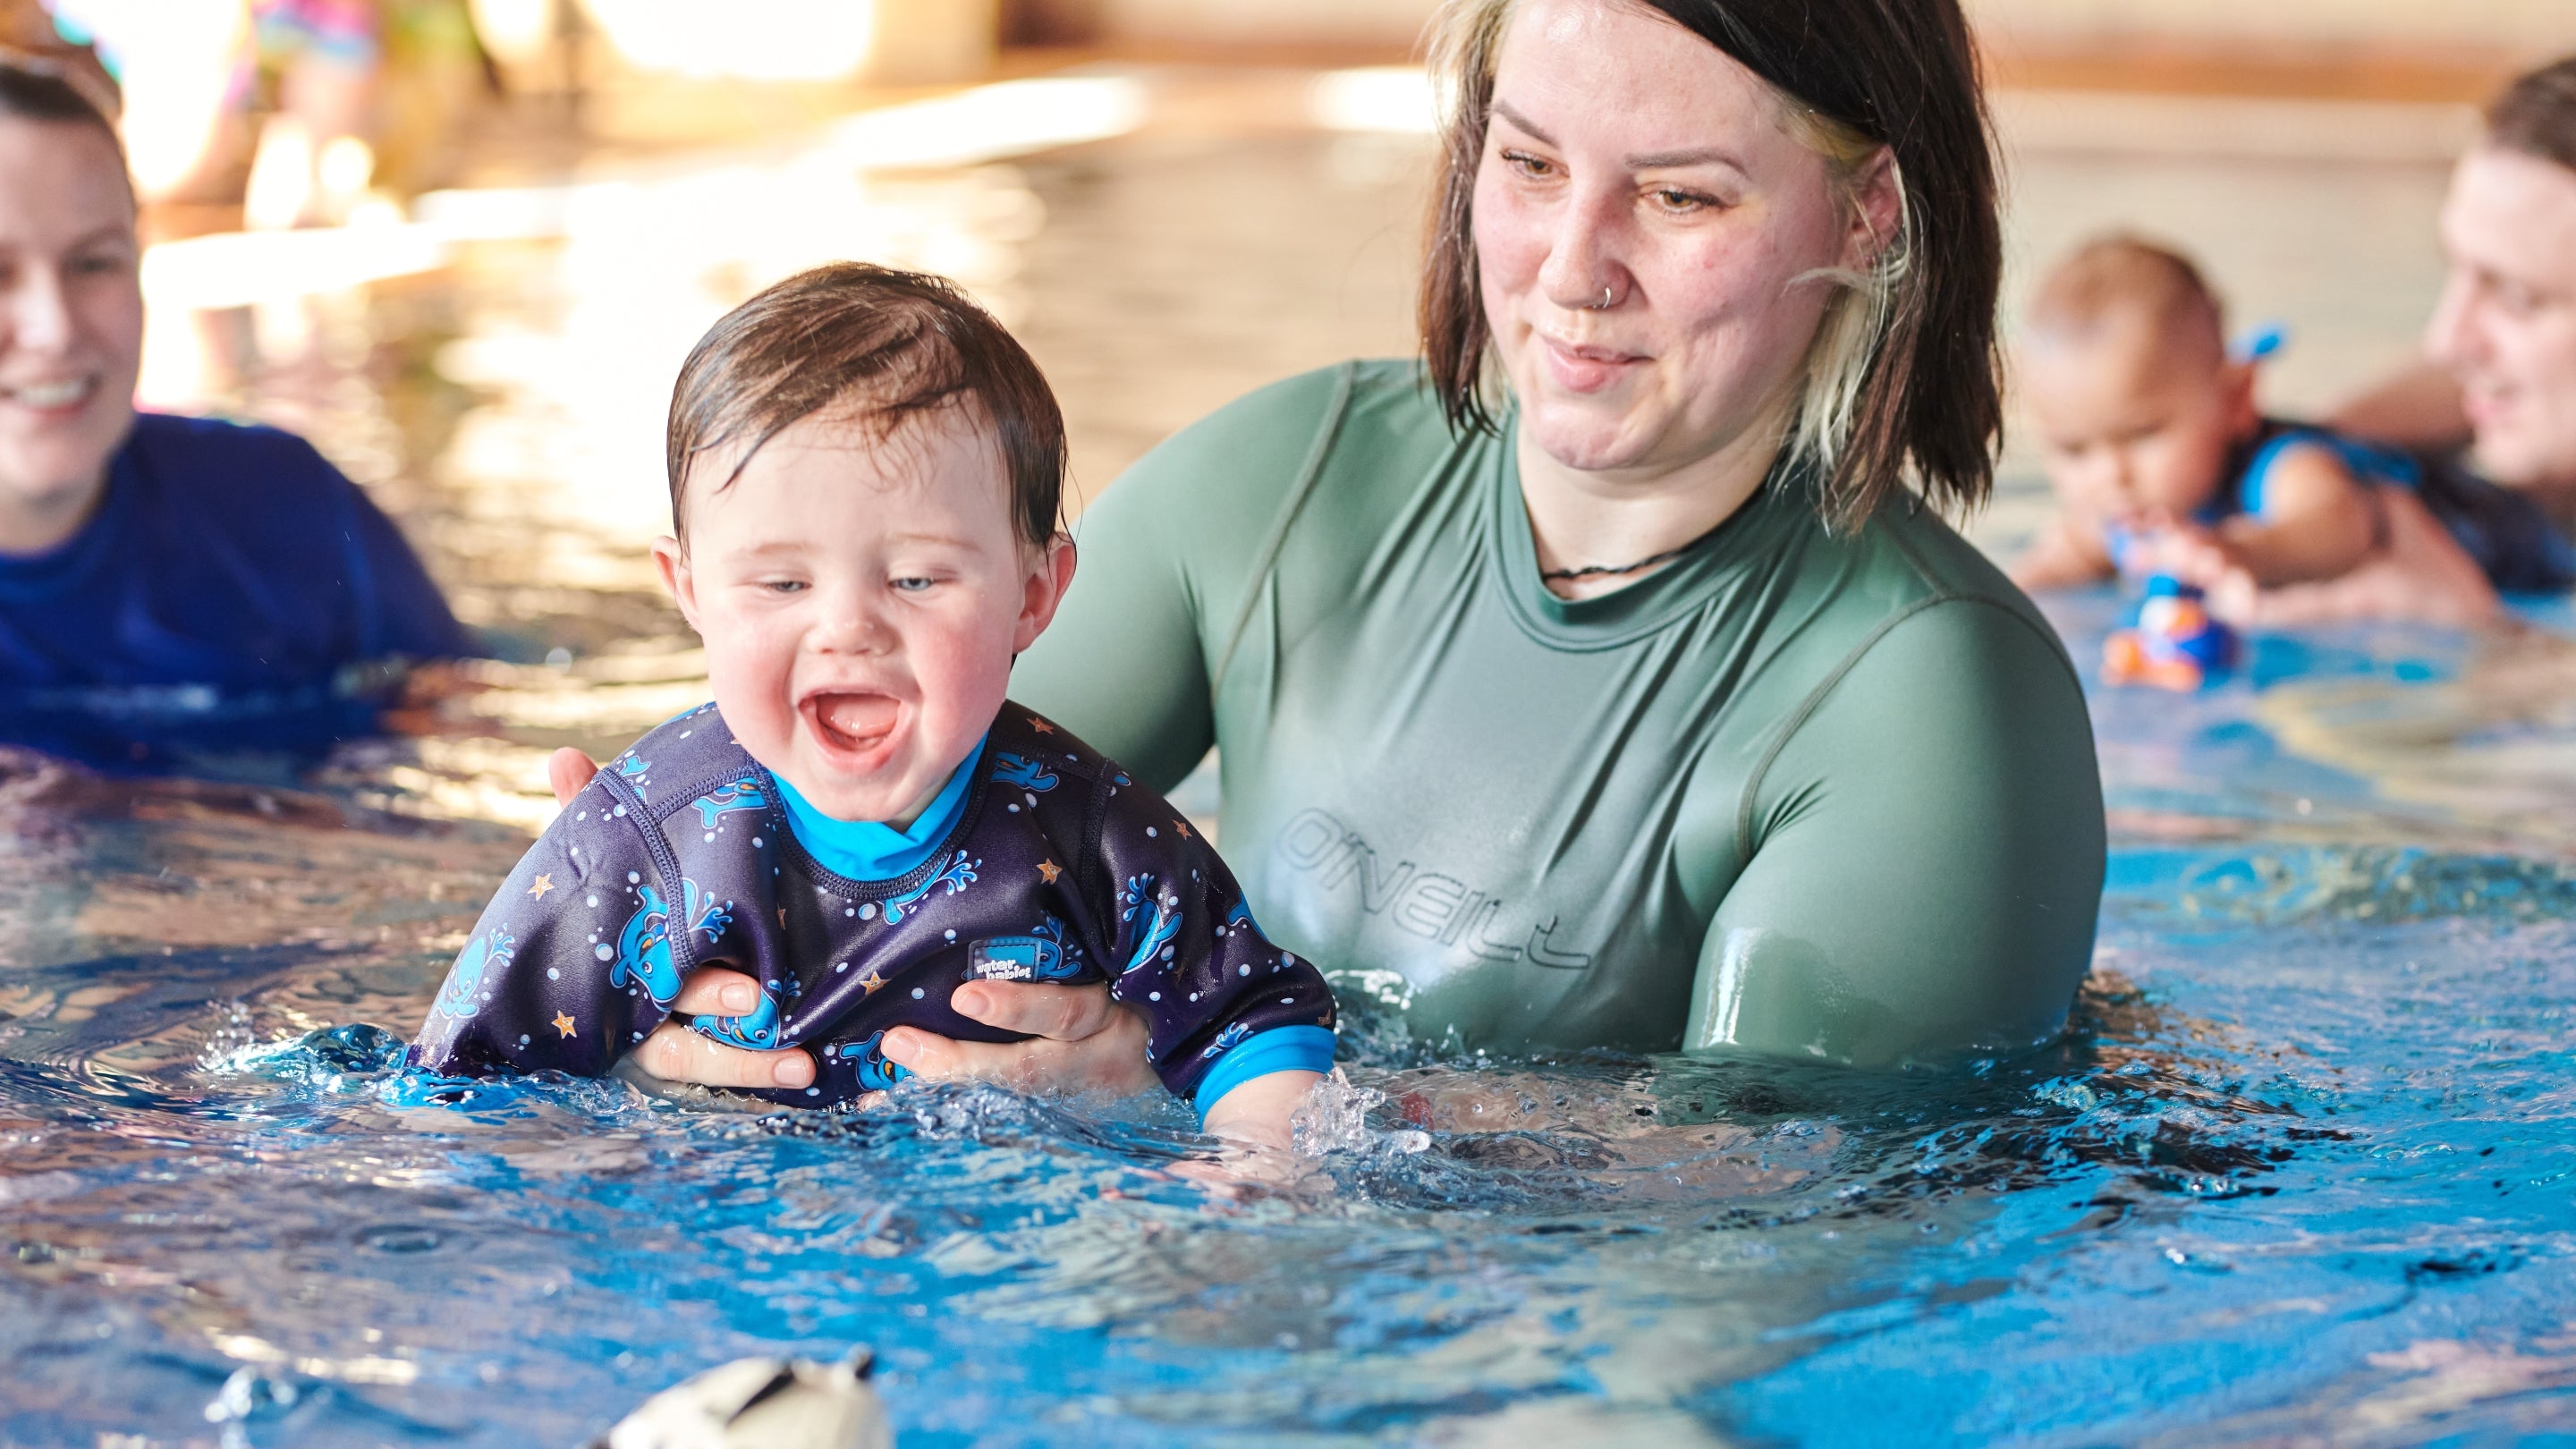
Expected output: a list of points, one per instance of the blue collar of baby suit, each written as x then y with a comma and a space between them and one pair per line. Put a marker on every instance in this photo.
869, 850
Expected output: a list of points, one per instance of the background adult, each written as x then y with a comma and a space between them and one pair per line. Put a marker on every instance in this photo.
1601, 682
2496, 401
168, 585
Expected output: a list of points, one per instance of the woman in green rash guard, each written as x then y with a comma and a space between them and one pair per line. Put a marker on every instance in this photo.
1609, 679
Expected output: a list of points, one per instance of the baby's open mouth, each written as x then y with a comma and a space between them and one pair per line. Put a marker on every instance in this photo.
854, 722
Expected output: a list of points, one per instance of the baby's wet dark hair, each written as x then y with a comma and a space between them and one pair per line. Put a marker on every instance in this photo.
879, 345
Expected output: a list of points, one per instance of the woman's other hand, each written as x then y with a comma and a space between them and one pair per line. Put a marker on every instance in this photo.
2419, 573
1081, 1040
567, 770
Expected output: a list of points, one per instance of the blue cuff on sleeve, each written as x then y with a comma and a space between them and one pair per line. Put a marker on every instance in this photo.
1280, 1049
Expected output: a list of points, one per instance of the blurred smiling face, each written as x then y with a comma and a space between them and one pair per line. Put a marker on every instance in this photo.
71, 325
2506, 327
861, 598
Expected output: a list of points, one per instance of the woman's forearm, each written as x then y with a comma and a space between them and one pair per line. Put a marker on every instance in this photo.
2418, 408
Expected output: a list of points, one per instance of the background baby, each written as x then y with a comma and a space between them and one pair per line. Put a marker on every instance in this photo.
866, 474
2161, 461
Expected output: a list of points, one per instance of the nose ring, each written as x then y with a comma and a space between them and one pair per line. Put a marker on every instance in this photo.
1606, 298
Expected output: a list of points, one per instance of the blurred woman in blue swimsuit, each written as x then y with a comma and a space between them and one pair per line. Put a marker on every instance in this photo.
168, 586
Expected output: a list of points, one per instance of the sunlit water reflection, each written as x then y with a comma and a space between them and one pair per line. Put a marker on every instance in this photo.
2301, 1171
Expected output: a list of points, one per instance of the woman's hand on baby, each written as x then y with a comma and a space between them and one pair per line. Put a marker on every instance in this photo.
567, 771
2420, 572
674, 1053
1082, 1040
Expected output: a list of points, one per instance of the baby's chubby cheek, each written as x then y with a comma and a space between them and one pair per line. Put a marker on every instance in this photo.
754, 690
959, 693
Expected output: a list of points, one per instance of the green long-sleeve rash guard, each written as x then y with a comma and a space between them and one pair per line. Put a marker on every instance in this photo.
1802, 793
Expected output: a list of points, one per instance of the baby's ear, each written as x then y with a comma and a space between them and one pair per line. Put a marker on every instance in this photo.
1050, 573
671, 557
2236, 381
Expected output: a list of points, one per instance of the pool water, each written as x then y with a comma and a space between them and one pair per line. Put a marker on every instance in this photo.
2301, 1171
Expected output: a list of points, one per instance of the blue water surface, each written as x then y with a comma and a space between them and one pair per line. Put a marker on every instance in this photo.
2300, 1172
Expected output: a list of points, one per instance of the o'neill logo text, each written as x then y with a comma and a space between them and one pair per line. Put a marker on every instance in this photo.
1436, 907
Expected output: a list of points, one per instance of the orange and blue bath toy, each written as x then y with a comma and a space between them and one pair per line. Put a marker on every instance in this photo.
2171, 642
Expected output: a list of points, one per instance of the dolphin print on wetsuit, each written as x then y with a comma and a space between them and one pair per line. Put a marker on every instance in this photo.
644, 948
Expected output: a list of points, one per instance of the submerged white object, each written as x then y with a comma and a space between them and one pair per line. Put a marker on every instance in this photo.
761, 1403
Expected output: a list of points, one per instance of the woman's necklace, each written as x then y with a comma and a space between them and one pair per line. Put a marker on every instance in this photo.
1599, 571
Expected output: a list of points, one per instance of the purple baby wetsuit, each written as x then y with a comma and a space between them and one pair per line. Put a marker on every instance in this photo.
1057, 867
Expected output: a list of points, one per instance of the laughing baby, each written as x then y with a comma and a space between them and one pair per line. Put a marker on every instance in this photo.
866, 473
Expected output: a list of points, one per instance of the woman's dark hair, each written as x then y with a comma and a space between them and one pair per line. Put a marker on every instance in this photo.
884, 345
1904, 376
2536, 115
35, 89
